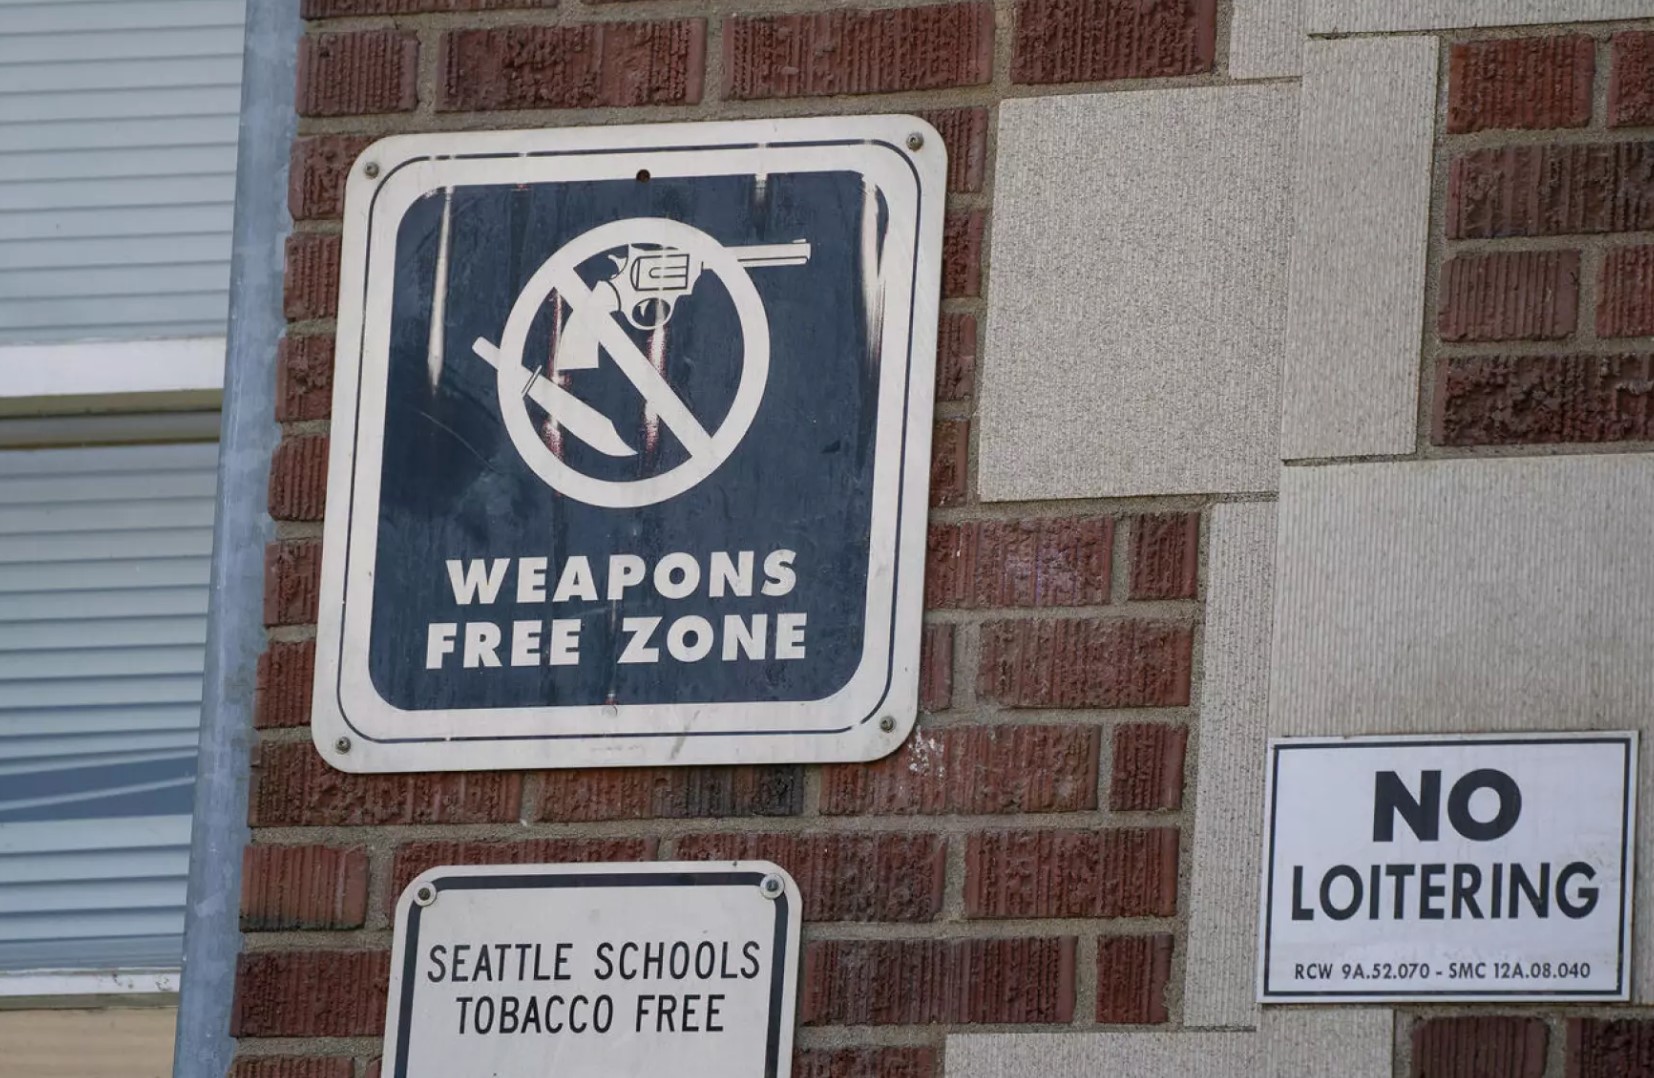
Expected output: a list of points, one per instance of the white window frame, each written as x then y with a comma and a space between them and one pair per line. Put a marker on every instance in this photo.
33, 376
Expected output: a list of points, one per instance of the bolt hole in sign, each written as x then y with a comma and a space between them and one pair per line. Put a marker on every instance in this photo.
1462, 868
594, 971
630, 446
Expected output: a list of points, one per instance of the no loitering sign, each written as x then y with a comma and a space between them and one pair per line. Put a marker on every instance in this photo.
630, 446
622, 970
1449, 868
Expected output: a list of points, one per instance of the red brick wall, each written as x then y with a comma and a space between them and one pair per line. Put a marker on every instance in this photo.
1545, 281
1018, 861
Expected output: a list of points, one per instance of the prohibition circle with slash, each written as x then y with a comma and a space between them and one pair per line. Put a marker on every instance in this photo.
662, 262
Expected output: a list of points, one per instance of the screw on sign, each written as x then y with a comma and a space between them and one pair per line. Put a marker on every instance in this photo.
632, 446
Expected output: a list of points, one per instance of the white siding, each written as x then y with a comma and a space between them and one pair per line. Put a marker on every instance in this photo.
117, 167
103, 609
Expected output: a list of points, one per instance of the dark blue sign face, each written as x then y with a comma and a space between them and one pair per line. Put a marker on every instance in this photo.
630, 441
776, 536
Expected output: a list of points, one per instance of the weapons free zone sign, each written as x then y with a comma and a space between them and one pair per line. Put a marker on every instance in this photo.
631, 445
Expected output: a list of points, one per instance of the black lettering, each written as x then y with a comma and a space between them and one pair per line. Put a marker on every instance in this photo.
679, 969
1498, 890
438, 951
478, 1022
560, 963
603, 1014
689, 1003
1520, 884
750, 968
508, 1014
459, 961
1430, 890
484, 969
1341, 872
1399, 873
1392, 797
1467, 880
552, 1001
539, 974
666, 1014
522, 959
712, 1002
642, 1006
1587, 895
574, 1008
464, 1004
705, 949
654, 957
1510, 805
1300, 912
606, 970
1373, 876
531, 1015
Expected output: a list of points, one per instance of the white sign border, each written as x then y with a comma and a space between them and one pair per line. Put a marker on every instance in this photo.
356, 730
790, 915
1626, 738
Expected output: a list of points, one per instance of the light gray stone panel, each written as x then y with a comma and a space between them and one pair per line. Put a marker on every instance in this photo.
1471, 596
1220, 976
1137, 293
1354, 1043
1354, 317
1364, 16
1266, 39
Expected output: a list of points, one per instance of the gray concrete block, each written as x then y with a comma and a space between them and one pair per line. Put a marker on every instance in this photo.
1354, 1043
1137, 293
1266, 39
1362, 217
1219, 987
1366, 16
1470, 596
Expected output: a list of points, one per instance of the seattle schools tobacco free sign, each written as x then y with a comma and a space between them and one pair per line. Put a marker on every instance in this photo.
630, 446
522, 971
1448, 868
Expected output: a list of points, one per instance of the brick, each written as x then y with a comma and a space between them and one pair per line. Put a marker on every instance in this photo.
311, 286
1101, 40
678, 793
1491, 1047
415, 857
937, 982
1007, 563
1625, 304
310, 994
286, 671
950, 452
292, 582
965, 133
1539, 400
1509, 296
1631, 80
1165, 556
1148, 767
936, 668
1610, 1048
1085, 663
860, 877
865, 1063
327, 9
292, 887
962, 254
298, 478
316, 177
1532, 83
1107, 873
593, 65
304, 378
1132, 972
363, 71
972, 770
294, 1067
956, 357
293, 787
1551, 190
859, 52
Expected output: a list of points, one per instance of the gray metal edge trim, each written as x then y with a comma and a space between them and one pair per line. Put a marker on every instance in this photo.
235, 629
